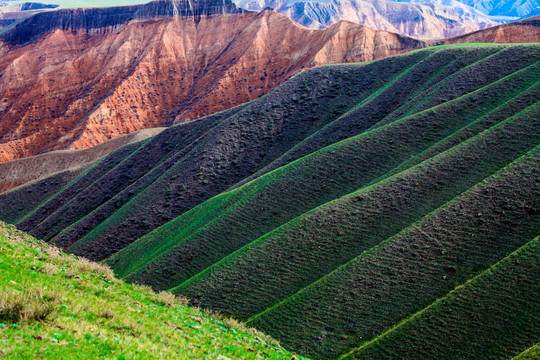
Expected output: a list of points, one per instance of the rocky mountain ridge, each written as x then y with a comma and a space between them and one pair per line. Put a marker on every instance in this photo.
100, 18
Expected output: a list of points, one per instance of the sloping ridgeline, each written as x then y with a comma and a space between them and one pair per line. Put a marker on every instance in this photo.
344, 213
101, 19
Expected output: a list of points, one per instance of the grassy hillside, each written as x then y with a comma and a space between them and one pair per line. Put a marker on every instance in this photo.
334, 210
57, 306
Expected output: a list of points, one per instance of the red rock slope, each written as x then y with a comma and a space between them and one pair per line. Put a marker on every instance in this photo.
72, 89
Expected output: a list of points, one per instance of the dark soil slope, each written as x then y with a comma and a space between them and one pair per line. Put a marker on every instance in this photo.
18, 172
502, 297
334, 211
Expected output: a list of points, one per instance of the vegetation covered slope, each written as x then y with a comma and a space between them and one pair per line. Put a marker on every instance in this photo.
334, 208
406, 272
57, 306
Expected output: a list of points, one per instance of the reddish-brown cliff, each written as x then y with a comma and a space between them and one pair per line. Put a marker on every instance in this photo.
524, 31
71, 89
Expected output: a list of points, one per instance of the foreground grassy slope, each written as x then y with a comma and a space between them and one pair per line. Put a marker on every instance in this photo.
57, 306
530, 354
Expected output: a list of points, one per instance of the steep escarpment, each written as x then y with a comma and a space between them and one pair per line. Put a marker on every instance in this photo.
394, 197
76, 89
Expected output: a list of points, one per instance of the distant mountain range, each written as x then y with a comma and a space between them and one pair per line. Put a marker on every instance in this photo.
519, 8
503, 9
425, 19
413, 19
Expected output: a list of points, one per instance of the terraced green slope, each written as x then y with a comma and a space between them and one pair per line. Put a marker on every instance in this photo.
408, 271
336, 207
502, 299
352, 224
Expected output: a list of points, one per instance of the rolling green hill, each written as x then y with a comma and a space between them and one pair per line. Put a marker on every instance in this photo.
338, 212
58, 306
